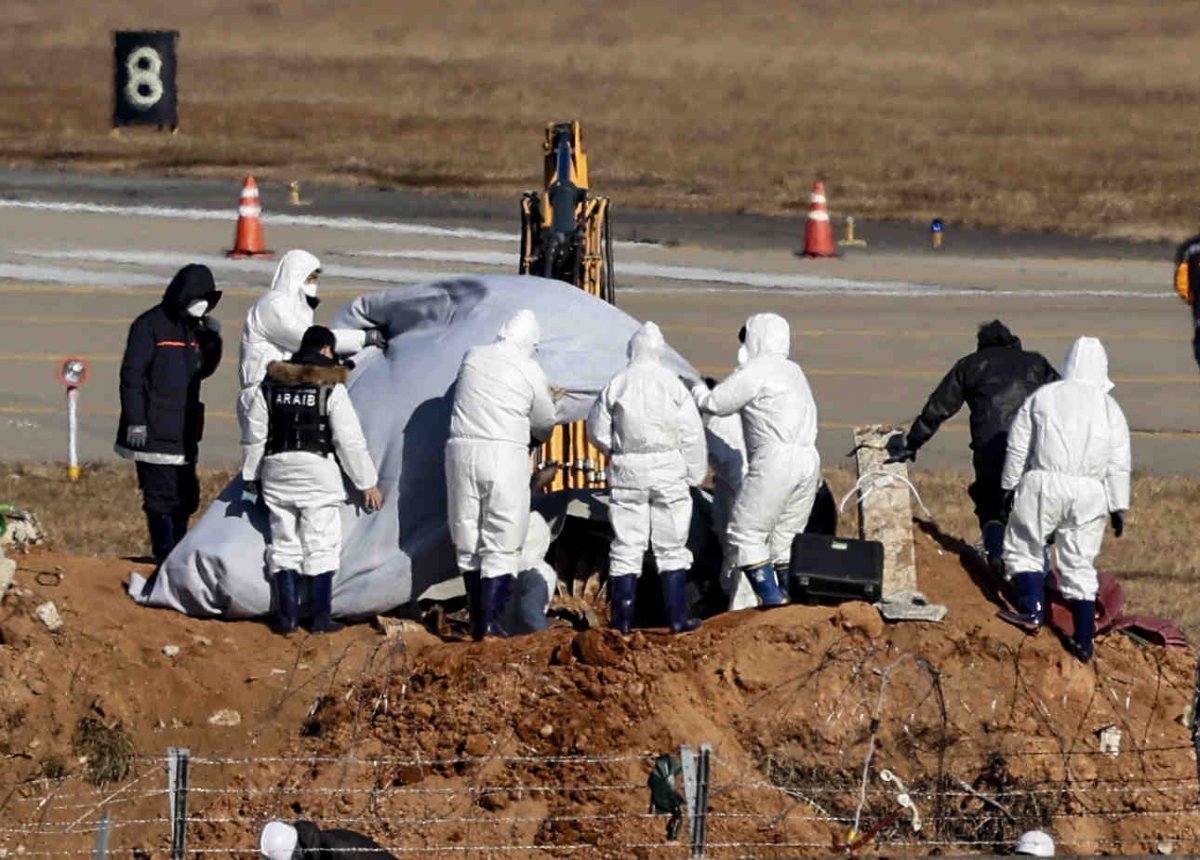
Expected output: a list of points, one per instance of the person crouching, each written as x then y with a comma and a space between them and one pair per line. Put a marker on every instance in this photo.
300, 426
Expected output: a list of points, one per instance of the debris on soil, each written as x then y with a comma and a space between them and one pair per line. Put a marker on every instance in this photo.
47, 613
225, 717
107, 750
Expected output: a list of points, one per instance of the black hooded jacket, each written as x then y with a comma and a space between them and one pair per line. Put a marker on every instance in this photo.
993, 381
314, 843
167, 354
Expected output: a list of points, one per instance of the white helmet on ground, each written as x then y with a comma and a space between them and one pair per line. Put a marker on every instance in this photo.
1035, 843
278, 841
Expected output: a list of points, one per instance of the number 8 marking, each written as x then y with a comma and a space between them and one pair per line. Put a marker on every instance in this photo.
144, 88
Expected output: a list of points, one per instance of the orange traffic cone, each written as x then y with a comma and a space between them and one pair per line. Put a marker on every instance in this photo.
248, 240
818, 233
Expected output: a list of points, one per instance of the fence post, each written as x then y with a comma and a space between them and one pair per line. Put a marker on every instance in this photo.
703, 779
100, 852
687, 762
177, 792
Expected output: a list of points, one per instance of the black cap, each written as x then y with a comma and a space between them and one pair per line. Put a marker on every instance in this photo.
315, 339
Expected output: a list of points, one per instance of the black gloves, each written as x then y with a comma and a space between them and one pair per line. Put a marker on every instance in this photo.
376, 337
1118, 522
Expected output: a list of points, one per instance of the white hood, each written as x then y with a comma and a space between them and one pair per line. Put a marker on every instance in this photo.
522, 330
768, 334
1087, 362
291, 273
646, 345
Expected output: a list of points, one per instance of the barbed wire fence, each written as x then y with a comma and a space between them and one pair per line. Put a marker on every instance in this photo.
550, 805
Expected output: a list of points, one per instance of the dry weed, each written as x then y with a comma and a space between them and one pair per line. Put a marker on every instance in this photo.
1074, 115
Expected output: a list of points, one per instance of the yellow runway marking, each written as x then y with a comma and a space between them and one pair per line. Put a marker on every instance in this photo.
916, 373
966, 335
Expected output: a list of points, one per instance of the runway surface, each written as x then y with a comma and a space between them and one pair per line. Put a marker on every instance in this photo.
875, 331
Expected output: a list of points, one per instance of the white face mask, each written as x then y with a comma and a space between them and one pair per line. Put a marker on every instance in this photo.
743, 355
198, 308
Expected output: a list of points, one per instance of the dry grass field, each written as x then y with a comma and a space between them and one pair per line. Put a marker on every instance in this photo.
1156, 560
1075, 115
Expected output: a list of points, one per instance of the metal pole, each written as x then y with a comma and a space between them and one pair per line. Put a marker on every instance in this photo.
177, 792
72, 433
687, 763
100, 852
700, 830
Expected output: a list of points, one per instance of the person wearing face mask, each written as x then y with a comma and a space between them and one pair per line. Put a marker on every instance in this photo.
646, 421
277, 322
501, 399
169, 350
783, 469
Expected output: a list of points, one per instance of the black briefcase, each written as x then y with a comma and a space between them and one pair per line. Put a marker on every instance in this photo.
831, 570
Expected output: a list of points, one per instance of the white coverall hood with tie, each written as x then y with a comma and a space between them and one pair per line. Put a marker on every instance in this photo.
277, 322
647, 421
1069, 462
501, 399
779, 422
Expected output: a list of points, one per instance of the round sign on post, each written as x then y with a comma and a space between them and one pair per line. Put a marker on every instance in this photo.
73, 373
144, 78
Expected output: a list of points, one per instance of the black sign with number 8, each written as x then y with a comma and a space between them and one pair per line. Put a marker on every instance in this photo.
144, 78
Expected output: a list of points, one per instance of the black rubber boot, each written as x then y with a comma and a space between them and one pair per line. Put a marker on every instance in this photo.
674, 585
1082, 644
162, 535
1027, 593
322, 605
623, 592
287, 603
493, 597
179, 528
474, 609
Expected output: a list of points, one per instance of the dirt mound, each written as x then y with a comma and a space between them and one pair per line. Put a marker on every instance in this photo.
544, 744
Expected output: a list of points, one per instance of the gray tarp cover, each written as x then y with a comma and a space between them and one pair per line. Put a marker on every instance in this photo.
403, 400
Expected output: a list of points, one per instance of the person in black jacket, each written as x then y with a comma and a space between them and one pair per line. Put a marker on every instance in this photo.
170, 349
1187, 283
303, 840
993, 381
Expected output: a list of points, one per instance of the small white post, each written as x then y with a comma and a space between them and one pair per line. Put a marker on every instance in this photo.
72, 433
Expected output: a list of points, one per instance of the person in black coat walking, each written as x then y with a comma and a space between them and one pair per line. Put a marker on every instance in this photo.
1187, 284
303, 840
170, 349
993, 381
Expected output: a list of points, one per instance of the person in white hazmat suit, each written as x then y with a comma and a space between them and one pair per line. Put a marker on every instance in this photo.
501, 400
1068, 463
646, 421
278, 320
783, 471
302, 432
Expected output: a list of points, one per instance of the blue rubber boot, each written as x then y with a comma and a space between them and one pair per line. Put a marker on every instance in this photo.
473, 587
622, 590
783, 579
322, 605
1027, 593
766, 587
287, 602
494, 594
1082, 644
674, 586
527, 613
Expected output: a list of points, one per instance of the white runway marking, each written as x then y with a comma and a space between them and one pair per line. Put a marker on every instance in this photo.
172, 260
775, 282
65, 275
329, 223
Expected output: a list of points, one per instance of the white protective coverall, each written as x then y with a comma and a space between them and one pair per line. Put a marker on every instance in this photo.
276, 324
501, 398
303, 491
647, 421
779, 421
1069, 461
